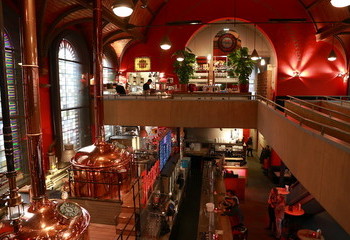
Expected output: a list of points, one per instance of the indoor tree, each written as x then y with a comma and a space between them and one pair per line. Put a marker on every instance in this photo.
242, 66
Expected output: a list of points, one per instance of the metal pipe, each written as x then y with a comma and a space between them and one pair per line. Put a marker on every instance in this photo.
32, 100
98, 89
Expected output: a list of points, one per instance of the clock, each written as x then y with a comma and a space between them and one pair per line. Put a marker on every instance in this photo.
227, 42
69, 209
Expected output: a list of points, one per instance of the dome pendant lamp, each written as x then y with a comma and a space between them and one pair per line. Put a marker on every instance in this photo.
165, 44
123, 8
255, 55
340, 3
332, 56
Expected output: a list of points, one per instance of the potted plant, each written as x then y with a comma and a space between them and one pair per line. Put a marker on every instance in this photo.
242, 66
184, 69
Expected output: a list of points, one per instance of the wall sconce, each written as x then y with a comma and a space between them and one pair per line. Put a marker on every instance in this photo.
341, 74
262, 62
296, 74
165, 44
340, 3
123, 8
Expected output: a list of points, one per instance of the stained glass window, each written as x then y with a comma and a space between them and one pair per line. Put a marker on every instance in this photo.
71, 94
13, 107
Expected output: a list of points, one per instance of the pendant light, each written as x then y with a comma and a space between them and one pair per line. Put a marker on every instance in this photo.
180, 57
123, 8
340, 3
255, 55
332, 56
165, 44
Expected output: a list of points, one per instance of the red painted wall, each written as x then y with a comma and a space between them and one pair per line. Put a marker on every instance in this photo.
295, 44
275, 159
45, 107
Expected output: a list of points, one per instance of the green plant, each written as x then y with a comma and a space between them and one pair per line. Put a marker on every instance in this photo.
242, 65
184, 69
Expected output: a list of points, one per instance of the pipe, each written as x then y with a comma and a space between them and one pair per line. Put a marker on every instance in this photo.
32, 101
98, 89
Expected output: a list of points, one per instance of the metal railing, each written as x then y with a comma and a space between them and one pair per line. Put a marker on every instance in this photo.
340, 99
136, 197
220, 96
321, 128
314, 107
92, 180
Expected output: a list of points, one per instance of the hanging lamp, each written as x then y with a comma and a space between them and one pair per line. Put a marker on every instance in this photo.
165, 44
255, 55
340, 3
123, 8
180, 57
332, 56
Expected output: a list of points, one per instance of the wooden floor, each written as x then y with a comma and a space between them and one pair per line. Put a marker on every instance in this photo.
101, 232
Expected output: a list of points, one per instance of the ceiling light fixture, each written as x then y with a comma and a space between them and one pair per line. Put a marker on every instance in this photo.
340, 3
255, 55
123, 8
180, 57
332, 56
165, 44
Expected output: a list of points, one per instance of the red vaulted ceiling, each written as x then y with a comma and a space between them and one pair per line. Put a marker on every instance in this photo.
141, 32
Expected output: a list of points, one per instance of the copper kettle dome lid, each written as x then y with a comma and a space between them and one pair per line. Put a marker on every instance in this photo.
101, 155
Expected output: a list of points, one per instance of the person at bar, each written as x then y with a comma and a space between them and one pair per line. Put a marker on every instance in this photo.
120, 89
146, 86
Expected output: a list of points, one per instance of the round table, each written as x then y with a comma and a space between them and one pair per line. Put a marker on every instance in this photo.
294, 211
282, 191
306, 234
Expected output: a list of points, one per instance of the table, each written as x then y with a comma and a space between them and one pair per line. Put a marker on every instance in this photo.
282, 191
295, 211
305, 234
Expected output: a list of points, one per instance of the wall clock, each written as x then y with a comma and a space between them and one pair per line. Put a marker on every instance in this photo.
227, 42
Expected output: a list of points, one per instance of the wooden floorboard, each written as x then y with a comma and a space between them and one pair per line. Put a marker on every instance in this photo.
101, 232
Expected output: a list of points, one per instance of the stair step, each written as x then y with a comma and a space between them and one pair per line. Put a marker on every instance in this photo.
127, 230
125, 216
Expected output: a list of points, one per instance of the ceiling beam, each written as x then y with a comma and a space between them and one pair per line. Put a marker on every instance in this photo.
314, 3
109, 16
332, 31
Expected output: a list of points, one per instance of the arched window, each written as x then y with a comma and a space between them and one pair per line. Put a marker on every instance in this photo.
108, 71
13, 107
108, 78
73, 97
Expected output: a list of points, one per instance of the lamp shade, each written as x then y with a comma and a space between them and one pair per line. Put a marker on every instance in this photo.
332, 56
165, 44
340, 3
255, 55
123, 8
180, 57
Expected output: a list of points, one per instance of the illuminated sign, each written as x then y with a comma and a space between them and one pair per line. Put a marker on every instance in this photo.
142, 64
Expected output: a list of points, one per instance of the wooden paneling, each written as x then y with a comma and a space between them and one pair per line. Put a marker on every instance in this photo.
320, 164
181, 113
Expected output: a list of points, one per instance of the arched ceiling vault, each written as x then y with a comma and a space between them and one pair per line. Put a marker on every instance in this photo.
55, 16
